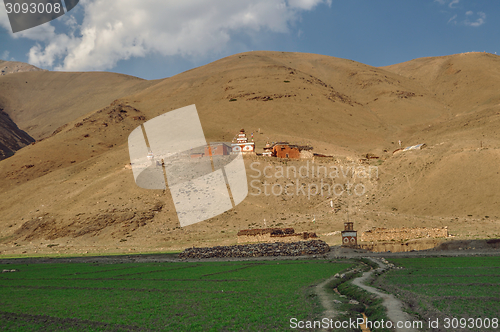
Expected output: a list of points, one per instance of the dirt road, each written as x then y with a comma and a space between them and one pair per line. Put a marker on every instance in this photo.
392, 304
325, 299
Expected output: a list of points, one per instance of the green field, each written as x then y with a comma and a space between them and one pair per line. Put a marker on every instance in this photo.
447, 287
200, 296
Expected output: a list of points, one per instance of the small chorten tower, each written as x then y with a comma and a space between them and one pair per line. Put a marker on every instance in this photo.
349, 235
242, 144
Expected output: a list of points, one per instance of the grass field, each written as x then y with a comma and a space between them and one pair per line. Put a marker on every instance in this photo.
448, 287
201, 296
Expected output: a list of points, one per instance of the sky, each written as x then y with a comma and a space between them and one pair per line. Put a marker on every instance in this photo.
155, 39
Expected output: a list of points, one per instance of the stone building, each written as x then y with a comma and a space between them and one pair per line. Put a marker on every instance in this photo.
217, 149
286, 150
268, 150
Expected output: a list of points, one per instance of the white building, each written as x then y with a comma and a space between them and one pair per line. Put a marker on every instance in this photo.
241, 144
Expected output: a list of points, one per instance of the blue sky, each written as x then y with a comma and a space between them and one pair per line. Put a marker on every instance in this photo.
160, 38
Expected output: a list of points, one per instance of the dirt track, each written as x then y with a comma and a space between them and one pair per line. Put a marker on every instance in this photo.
325, 299
392, 304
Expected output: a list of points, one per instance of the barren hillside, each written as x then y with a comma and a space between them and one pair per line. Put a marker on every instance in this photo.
74, 187
458, 174
11, 137
40, 102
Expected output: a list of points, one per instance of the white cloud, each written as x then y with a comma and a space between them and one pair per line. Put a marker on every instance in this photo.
114, 30
450, 4
307, 4
478, 22
453, 2
5, 55
452, 19
481, 19
4, 19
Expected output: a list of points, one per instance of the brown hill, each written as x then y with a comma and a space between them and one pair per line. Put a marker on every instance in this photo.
74, 188
318, 98
465, 82
458, 174
40, 102
11, 137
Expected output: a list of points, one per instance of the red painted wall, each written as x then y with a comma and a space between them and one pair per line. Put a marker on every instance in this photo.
286, 151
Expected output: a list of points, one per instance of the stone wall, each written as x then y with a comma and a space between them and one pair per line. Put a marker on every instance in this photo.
403, 234
273, 235
312, 247
394, 246
261, 231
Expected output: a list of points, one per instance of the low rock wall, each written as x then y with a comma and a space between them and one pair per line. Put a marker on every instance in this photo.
393, 246
276, 238
313, 247
403, 234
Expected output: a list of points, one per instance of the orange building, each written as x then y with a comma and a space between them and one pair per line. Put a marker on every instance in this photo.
285, 150
217, 149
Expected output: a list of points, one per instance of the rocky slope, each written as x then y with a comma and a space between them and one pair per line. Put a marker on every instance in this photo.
12, 67
11, 137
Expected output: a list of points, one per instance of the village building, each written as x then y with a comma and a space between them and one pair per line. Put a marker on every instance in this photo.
286, 150
349, 235
268, 150
241, 144
197, 154
212, 149
217, 149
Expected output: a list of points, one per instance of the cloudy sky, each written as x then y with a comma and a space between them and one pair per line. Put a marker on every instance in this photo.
160, 38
